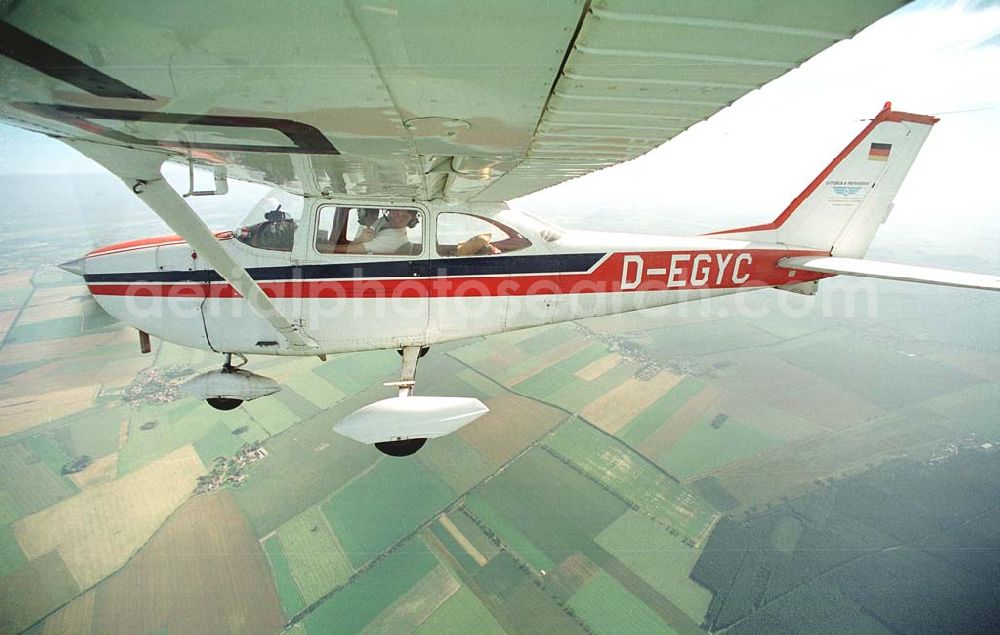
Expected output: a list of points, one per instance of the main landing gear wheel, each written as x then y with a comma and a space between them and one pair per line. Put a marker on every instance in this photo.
224, 403
400, 448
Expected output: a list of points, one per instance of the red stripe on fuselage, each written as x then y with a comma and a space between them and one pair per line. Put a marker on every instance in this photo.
638, 271
145, 243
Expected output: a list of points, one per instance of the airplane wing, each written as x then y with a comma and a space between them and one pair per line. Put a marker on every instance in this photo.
406, 99
891, 271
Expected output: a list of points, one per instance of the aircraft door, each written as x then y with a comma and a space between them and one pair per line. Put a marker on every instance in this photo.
364, 278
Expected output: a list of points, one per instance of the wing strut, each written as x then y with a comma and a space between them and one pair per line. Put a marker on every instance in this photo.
140, 171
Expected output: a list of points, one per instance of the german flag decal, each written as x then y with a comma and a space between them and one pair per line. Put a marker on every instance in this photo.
879, 151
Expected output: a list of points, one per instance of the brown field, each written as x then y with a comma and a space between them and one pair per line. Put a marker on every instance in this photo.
593, 370
64, 347
101, 471
416, 605
512, 424
550, 357
656, 444
614, 409
97, 530
75, 617
55, 302
57, 375
203, 572
6, 319
577, 570
23, 412
462, 541
16, 279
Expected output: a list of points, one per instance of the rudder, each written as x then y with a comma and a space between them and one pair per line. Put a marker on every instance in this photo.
840, 210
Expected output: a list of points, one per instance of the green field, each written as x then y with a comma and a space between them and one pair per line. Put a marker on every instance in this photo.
614, 465
14, 298
461, 613
607, 607
219, 441
95, 432
288, 592
30, 483
517, 602
321, 393
357, 371
177, 424
872, 370
547, 337
302, 469
49, 452
661, 560
70, 326
558, 510
456, 462
361, 601
271, 414
703, 448
11, 556
36, 588
509, 534
316, 560
657, 413
381, 507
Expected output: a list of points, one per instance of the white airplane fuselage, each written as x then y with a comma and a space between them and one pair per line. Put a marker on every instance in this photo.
350, 302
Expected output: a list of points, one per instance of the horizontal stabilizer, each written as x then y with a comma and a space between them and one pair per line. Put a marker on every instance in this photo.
890, 271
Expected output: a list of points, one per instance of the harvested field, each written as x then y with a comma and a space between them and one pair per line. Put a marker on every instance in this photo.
463, 542
53, 349
100, 472
97, 530
75, 617
57, 302
613, 410
499, 436
417, 605
593, 370
663, 438
546, 359
113, 369
21, 413
203, 572
6, 319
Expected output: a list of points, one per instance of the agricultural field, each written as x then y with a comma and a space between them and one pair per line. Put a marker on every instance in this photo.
29, 485
352, 608
304, 466
315, 558
557, 510
632, 478
27, 411
707, 446
223, 568
460, 613
97, 530
289, 595
33, 590
616, 408
607, 607
662, 561
499, 437
382, 506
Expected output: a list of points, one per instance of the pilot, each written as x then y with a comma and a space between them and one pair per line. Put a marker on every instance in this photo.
389, 237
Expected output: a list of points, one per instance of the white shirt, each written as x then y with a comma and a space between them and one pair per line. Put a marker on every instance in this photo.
388, 240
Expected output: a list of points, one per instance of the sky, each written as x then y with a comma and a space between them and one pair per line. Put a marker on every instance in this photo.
748, 161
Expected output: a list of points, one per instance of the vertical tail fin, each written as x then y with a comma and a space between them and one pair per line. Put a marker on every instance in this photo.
842, 208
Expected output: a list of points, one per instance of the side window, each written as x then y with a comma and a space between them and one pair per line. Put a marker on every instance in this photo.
470, 235
369, 230
270, 225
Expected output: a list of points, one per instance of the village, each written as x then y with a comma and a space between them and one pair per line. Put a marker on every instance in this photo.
230, 470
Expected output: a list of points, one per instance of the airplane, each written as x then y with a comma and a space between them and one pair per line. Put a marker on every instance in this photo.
403, 127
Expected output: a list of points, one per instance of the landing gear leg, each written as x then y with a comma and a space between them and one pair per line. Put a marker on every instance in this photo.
407, 379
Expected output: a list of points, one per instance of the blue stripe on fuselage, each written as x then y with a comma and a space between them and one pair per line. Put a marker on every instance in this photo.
439, 267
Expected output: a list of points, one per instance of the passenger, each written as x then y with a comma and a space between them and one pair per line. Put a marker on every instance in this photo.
389, 237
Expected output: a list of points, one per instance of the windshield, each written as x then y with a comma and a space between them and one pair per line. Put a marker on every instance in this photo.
271, 224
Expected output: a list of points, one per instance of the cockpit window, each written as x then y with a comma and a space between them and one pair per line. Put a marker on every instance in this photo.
386, 231
269, 225
470, 235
